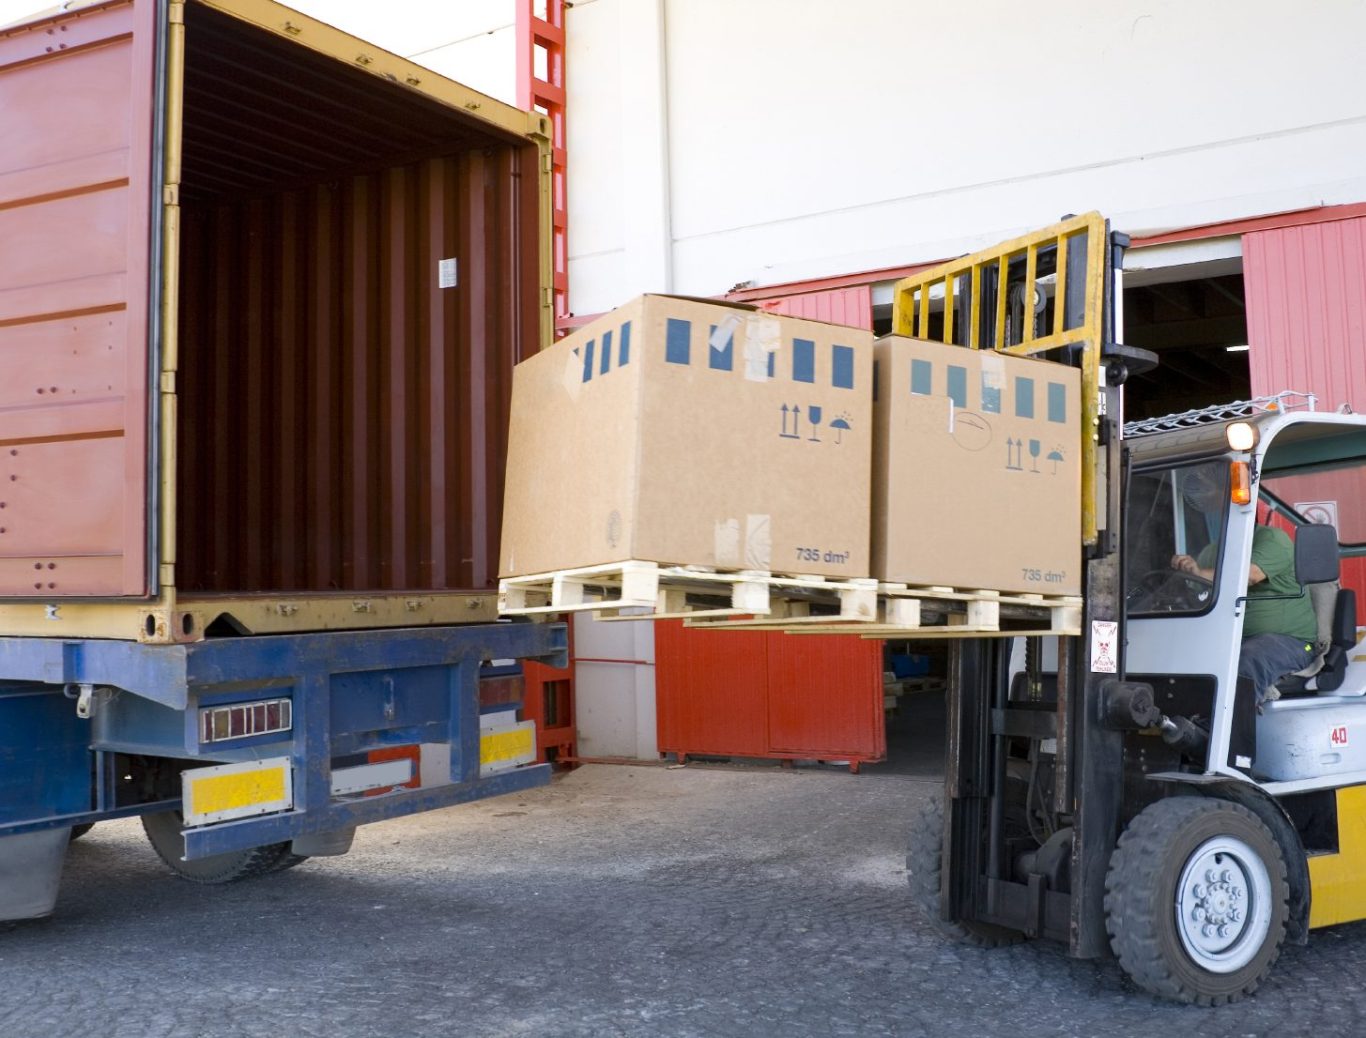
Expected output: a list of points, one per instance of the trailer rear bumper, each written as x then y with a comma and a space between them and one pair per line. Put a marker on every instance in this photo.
432, 708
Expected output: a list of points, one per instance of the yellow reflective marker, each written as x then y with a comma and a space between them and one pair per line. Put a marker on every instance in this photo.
502, 748
237, 790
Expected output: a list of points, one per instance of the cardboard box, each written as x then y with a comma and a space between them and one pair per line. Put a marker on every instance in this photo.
692, 433
976, 469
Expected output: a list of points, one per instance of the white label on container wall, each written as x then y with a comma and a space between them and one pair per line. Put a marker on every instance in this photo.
445, 273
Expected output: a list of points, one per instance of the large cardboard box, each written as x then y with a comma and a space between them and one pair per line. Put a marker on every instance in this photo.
976, 469
692, 433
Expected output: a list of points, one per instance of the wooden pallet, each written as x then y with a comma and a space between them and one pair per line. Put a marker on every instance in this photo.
647, 590
909, 611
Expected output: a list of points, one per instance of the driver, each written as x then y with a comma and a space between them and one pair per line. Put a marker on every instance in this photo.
1279, 627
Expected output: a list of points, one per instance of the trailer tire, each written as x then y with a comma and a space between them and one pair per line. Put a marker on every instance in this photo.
77, 831
1197, 900
924, 871
163, 831
288, 859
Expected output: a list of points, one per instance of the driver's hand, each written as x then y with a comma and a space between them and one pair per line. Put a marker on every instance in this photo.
1185, 564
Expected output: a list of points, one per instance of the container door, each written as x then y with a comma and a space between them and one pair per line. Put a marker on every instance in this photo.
76, 258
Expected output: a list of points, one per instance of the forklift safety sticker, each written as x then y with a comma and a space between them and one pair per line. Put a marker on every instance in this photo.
1337, 738
1104, 653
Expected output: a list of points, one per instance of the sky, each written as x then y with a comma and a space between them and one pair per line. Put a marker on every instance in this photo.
13, 10
472, 41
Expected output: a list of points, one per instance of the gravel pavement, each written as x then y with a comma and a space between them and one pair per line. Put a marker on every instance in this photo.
707, 900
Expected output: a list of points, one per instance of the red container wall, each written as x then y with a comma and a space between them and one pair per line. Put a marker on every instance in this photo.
711, 690
343, 412
754, 694
1306, 310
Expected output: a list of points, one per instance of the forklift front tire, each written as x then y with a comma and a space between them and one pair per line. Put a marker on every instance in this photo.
1196, 900
924, 871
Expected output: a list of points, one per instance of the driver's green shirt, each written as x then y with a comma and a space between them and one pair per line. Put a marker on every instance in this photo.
1274, 552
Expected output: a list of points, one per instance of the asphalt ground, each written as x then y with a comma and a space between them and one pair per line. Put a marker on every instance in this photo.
708, 900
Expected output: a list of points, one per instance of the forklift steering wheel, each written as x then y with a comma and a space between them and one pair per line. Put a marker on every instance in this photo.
1168, 591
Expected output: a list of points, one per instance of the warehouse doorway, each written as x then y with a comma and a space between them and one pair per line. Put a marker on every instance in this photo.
1197, 325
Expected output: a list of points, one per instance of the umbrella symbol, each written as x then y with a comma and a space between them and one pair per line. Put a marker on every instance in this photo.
1055, 456
840, 424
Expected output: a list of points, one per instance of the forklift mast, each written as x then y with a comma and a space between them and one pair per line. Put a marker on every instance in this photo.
1055, 295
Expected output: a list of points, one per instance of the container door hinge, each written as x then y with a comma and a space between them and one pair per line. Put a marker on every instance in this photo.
176, 12
168, 382
170, 194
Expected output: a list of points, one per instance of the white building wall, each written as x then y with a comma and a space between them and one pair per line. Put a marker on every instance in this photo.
799, 138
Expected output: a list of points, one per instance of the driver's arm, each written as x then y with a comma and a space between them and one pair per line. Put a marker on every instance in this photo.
1186, 564
1273, 555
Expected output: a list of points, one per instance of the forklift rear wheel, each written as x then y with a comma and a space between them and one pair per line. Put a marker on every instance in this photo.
924, 869
164, 833
1196, 900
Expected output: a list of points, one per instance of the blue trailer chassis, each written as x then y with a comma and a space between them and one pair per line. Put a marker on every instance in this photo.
351, 692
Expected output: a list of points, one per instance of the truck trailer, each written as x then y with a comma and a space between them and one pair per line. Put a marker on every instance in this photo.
262, 286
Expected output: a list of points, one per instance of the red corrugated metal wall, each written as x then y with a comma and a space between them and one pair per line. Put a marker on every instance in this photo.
852, 306
751, 694
1306, 310
1306, 321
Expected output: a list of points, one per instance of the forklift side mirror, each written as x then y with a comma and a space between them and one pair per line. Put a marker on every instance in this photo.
1316, 554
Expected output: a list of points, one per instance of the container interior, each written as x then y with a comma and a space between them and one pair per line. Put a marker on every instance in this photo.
342, 416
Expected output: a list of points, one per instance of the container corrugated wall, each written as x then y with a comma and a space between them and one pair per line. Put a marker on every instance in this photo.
1306, 311
758, 694
343, 409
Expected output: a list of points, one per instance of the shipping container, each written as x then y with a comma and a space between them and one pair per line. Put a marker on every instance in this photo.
262, 287
261, 292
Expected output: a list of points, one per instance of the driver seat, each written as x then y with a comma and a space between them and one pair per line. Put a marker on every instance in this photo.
1342, 638
1335, 608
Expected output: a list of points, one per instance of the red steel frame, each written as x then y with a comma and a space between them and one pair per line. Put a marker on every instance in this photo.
544, 33
549, 691
550, 703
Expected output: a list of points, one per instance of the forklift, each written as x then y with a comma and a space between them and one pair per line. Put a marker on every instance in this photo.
1123, 791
